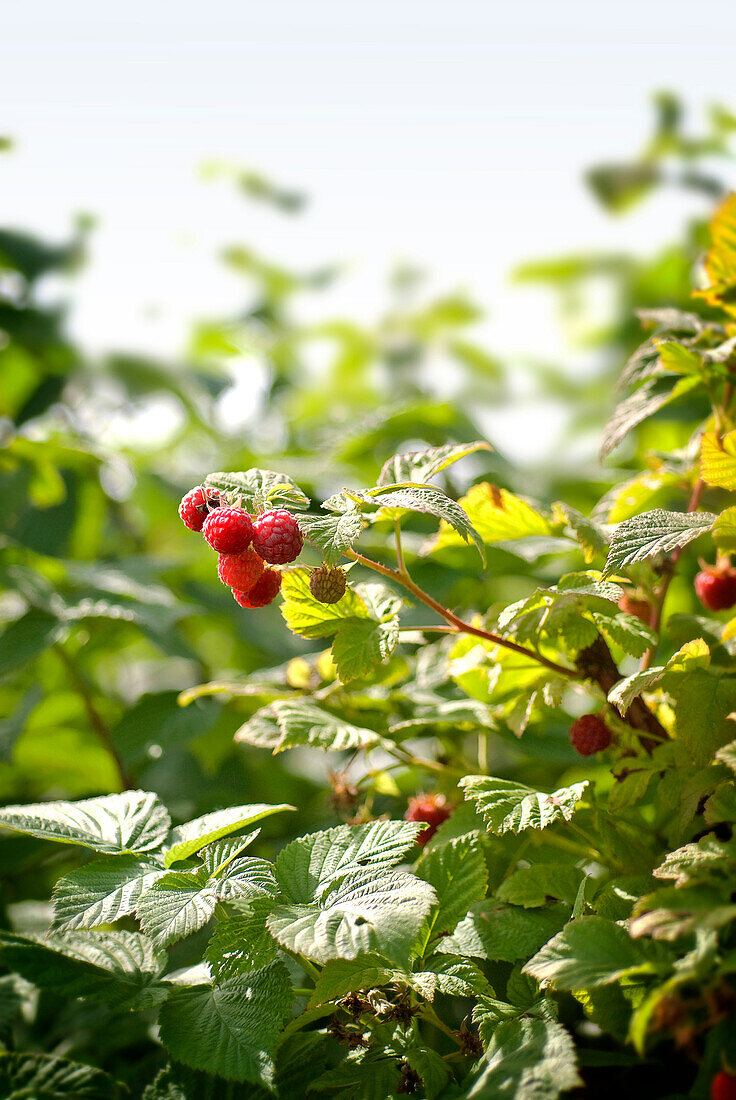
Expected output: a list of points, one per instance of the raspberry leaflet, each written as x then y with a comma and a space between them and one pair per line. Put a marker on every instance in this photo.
228, 530
276, 537
589, 734
263, 592
328, 585
194, 507
240, 571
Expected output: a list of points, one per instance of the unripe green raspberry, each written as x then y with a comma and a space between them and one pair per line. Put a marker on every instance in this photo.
327, 584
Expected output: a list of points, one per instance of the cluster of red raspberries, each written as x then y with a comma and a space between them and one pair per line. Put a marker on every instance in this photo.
246, 544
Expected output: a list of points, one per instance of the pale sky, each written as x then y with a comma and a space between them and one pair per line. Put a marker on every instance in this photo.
452, 133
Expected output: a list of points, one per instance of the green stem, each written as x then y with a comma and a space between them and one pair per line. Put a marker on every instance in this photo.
417, 761
96, 721
483, 743
399, 549
308, 967
459, 624
428, 1013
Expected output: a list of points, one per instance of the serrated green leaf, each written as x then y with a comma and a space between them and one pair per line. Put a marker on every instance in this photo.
679, 359
503, 932
536, 885
625, 631
334, 534
526, 1060
120, 969
429, 500
690, 657
698, 861
454, 977
421, 466
365, 622
653, 533
592, 536
43, 1077
309, 618
718, 460
497, 515
258, 490
724, 531
511, 807
291, 723
362, 644
727, 755
363, 1075
457, 871
102, 891
134, 821
342, 976
589, 951
314, 863
180, 902
431, 1067
370, 911
643, 403
232, 1029
185, 840
242, 943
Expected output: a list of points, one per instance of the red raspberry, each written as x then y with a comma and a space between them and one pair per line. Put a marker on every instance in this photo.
276, 536
264, 591
228, 530
240, 571
431, 808
640, 609
589, 734
723, 1086
716, 587
328, 585
193, 507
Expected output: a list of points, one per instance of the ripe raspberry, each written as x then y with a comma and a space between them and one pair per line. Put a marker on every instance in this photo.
328, 585
276, 537
228, 530
240, 571
264, 591
716, 587
640, 609
431, 808
723, 1086
193, 507
589, 734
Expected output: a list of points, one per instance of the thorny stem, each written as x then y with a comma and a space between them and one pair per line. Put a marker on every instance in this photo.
459, 625
594, 663
96, 721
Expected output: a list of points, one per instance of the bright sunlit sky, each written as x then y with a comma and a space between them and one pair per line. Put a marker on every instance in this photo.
449, 132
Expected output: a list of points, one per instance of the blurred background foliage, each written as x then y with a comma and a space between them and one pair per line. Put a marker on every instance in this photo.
110, 607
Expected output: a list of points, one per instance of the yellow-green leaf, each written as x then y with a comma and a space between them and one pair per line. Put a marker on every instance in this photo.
497, 515
718, 460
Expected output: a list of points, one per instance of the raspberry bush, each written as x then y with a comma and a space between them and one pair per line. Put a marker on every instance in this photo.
446, 806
